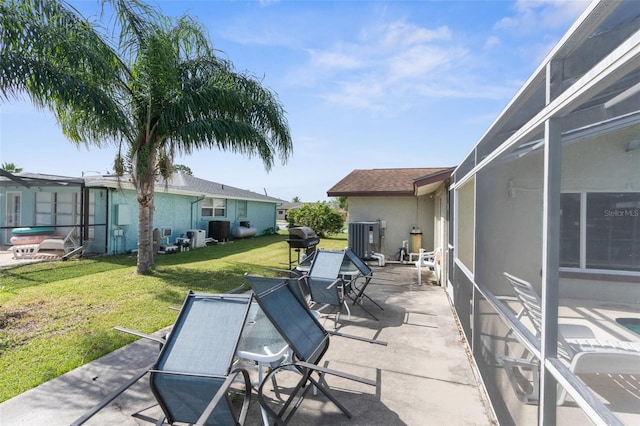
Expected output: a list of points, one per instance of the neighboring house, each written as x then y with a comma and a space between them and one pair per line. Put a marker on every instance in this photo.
105, 210
283, 208
408, 204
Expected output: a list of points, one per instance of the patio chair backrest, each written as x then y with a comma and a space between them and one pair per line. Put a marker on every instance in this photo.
529, 299
262, 284
198, 355
298, 326
357, 262
326, 264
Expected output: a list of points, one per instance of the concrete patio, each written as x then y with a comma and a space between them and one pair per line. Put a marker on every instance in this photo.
424, 375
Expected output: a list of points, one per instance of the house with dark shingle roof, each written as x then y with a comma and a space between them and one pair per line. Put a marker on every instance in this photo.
104, 209
409, 204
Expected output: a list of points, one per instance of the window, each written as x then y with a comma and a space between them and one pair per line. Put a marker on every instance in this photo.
214, 207
44, 208
241, 213
610, 224
570, 230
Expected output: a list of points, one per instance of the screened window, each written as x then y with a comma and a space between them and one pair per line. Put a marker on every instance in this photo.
214, 207
610, 224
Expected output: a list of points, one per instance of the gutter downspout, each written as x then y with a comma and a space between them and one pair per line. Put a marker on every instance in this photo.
192, 203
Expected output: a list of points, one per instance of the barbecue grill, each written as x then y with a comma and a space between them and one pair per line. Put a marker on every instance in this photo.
302, 237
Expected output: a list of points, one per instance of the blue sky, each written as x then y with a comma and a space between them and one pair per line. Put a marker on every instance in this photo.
366, 84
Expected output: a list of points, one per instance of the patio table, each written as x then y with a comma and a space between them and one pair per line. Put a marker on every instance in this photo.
261, 342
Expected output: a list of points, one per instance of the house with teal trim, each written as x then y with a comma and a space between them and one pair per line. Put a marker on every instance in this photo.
104, 210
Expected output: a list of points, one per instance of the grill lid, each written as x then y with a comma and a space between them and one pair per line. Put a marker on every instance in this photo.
302, 232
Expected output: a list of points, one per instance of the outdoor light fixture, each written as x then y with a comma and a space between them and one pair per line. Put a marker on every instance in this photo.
511, 191
633, 145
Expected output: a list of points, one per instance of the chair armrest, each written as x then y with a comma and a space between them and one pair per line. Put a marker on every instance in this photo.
334, 283
325, 370
204, 417
139, 334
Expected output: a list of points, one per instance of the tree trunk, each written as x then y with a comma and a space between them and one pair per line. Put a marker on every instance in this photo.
145, 225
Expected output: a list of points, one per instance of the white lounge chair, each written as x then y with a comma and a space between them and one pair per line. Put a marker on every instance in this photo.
583, 351
51, 248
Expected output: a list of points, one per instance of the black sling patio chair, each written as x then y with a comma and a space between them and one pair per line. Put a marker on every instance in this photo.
366, 273
194, 369
192, 377
308, 341
326, 283
261, 284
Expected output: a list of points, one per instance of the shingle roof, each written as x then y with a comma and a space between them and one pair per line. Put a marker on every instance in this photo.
187, 184
377, 182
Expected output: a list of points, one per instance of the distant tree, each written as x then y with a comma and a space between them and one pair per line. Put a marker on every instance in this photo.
296, 199
152, 85
343, 202
182, 168
11, 168
320, 217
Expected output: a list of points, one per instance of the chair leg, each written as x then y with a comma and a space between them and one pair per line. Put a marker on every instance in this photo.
330, 396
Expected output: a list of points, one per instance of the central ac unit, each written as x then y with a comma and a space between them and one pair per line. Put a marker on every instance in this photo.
364, 239
197, 237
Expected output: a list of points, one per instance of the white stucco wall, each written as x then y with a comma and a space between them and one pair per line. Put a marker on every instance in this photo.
401, 214
509, 228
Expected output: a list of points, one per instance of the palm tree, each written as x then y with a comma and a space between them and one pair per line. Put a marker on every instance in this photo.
10, 167
156, 90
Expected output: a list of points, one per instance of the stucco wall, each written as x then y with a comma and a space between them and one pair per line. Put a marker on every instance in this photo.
401, 214
182, 212
509, 223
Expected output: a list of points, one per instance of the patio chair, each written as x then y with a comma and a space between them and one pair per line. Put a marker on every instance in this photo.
298, 287
325, 282
192, 378
585, 355
430, 260
366, 273
192, 375
262, 284
308, 341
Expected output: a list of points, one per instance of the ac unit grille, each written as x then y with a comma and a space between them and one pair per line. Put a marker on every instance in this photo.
364, 238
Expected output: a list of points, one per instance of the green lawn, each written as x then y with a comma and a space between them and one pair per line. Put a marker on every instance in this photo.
56, 316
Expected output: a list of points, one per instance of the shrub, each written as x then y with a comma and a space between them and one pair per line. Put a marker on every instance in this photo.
319, 217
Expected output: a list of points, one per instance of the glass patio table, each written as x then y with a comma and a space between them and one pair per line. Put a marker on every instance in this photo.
260, 342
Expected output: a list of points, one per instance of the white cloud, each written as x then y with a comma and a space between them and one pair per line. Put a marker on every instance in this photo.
405, 34
336, 59
491, 42
533, 16
381, 68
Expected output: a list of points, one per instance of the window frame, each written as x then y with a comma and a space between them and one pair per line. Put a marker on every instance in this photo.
242, 212
217, 207
584, 236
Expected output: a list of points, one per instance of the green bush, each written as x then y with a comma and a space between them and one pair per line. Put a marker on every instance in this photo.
320, 217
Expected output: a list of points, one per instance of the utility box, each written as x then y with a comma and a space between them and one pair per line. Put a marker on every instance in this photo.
123, 214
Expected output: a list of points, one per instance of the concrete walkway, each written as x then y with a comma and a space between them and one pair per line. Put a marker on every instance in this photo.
424, 375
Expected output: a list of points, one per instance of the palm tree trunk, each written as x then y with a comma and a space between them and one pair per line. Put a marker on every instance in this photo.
145, 234
145, 223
